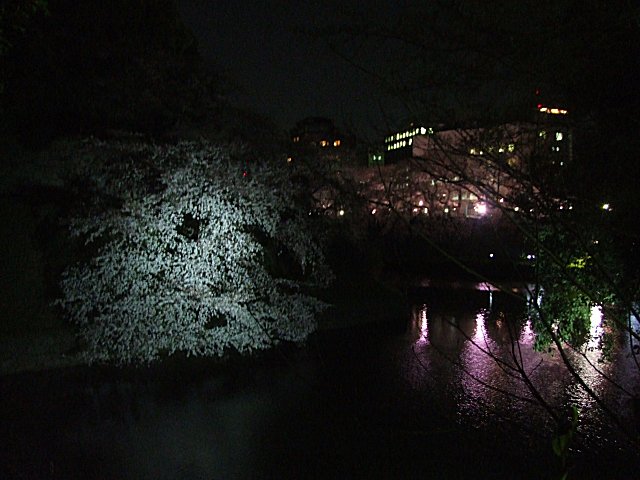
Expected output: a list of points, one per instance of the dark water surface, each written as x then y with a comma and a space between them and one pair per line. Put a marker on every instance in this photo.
378, 401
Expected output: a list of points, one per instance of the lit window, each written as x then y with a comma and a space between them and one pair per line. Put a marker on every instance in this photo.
336, 143
323, 143
473, 151
542, 133
558, 136
511, 147
289, 159
410, 141
552, 111
423, 130
296, 139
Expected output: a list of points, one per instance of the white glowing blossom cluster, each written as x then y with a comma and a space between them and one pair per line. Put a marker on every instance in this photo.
183, 247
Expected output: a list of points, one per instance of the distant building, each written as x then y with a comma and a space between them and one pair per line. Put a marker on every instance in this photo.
398, 145
319, 136
424, 171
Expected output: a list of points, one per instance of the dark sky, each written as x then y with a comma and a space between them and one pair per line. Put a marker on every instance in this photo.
281, 72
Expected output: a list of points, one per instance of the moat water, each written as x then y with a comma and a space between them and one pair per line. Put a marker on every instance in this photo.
414, 399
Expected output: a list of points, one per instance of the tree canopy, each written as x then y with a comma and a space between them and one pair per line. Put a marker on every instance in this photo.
188, 252
82, 68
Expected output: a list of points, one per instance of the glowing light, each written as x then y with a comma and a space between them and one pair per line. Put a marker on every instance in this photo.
446, 210
480, 208
373, 212
323, 143
423, 130
491, 255
552, 111
336, 143
606, 206
559, 136
421, 203
425, 211
341, 213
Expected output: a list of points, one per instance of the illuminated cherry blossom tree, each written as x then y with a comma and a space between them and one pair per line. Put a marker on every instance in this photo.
190, 253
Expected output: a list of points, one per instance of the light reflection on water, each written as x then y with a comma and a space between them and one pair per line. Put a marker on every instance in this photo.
486, 338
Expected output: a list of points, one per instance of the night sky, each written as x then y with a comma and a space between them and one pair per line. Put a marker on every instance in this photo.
282, 72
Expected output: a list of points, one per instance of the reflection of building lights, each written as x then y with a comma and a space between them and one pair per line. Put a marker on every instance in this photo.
596, 329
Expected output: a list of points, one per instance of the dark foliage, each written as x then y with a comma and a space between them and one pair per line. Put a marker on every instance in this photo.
88, 67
